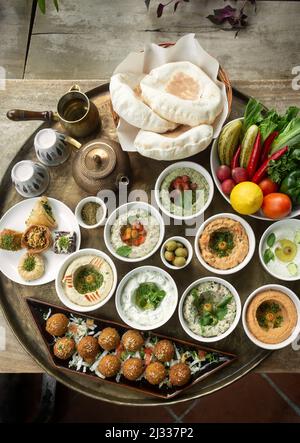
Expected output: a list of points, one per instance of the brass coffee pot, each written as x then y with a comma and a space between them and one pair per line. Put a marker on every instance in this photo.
101, 164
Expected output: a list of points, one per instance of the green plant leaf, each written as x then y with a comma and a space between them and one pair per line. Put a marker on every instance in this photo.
124, 251
268, 256
42, 6
56, 5
221, 312
271, 239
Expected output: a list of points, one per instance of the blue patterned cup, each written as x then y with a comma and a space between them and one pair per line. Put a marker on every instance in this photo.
30, 178
51, 147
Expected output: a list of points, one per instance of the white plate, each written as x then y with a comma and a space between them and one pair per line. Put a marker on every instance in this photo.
15, 219
215, 163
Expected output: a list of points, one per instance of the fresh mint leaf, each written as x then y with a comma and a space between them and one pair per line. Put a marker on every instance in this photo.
268, 256
124, 251
271, 239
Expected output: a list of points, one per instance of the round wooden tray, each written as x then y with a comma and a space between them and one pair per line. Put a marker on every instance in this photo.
145, 172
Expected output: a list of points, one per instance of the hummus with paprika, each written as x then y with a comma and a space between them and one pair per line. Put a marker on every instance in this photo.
271, 316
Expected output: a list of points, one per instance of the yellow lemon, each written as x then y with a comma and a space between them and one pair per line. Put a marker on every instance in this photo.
246, 198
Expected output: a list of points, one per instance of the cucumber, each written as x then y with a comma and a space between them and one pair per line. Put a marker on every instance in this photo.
228, 141
293, 269
247, 145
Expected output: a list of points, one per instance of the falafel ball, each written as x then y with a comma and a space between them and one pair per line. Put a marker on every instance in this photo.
179, 374
155, 373
88, 348
132, 340
57, 324
109, 365
133, 368
109, 339
164, 350
64, 348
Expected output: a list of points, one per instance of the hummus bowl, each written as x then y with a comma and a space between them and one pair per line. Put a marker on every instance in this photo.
271, 316
279, 250
86, 280
184, 190
134, 231
224, 243
209, 309
146, 298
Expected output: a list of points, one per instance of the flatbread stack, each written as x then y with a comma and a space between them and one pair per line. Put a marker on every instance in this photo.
175, 107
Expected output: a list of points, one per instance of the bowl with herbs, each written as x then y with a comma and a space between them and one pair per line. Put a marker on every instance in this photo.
146, 298
279, 250
224, 243
209, 309
255, 162
91, 212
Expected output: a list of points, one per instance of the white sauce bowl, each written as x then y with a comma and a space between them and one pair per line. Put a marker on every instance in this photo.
169, 303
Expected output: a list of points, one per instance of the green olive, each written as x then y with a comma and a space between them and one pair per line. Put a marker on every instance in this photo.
179, 245
179, 262
169, 256
171, 245
181, 252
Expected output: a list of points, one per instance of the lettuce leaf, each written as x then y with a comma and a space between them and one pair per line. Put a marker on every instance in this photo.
253, 114
290, 136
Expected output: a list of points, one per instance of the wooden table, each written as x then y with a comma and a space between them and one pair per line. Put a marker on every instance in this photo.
88, 42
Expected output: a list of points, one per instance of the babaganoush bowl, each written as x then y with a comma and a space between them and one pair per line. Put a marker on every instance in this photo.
197, 172
294, 300
251, 244
101, 262
150, 225
138, 317
237, 314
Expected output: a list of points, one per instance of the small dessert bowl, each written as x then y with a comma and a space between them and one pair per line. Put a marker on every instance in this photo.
102, 210
181, 242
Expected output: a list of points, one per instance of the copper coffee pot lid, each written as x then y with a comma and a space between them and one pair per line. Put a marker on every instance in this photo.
98, 159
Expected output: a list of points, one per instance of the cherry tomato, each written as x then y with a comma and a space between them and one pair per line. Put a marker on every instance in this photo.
268, 186
276, 205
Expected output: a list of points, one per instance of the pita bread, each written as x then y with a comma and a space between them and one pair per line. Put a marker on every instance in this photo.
181, 143
41, 214
181, 92
127, 103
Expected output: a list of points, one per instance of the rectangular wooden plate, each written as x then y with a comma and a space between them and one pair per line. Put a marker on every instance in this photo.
39, 309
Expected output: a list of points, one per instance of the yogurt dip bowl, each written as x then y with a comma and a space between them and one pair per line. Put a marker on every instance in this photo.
191, 178
279, 250
209, 309
284, 305
135, 307
241, 242
86, 280
134, 231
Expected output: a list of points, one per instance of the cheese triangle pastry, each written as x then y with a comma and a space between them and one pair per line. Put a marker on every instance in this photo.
41, 214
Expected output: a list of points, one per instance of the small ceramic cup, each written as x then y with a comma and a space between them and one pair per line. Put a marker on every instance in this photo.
100, 220
30, 178
51, 147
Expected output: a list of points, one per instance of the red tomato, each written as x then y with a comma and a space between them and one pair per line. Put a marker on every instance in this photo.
148, 356
267, 186
276, 205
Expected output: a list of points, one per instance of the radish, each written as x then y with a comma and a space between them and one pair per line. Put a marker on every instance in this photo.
223, 172
228, 185
240, 175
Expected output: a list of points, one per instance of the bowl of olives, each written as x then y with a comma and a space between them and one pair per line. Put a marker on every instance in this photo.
176, 252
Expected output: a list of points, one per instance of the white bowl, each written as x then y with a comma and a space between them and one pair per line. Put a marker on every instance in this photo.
296, 331
285, 223
251, 238
232, 290
184, 164
60, 291
80, 206
186, 244
123, 209
123, 283
215, 163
